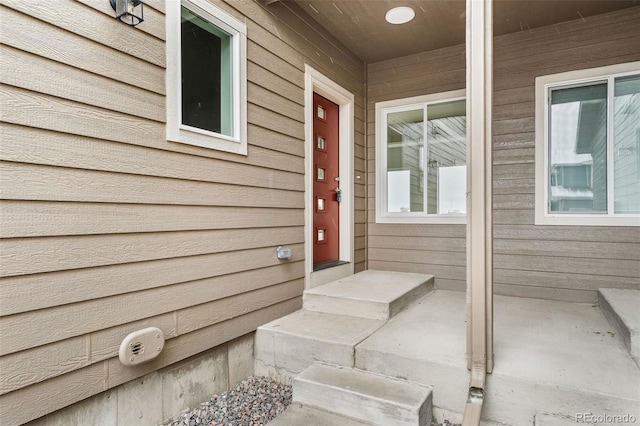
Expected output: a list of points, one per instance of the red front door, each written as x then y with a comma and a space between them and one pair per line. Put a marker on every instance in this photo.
326, 181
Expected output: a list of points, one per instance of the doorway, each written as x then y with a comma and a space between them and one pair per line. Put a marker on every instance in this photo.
329, 217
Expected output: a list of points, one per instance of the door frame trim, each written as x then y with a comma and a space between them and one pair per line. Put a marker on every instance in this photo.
324, 86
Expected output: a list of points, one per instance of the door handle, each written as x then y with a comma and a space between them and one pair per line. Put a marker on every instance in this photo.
338, 194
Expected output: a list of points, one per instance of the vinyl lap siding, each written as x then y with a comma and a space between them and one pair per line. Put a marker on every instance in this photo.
431, 249
553, 262
550, 262
108, 228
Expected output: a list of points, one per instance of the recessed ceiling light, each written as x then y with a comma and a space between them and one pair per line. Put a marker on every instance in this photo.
400, 15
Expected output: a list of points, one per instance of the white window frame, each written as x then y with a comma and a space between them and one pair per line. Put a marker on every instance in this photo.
543, 86
397, 105
178, 132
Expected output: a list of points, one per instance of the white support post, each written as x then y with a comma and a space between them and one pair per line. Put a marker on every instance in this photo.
479, 186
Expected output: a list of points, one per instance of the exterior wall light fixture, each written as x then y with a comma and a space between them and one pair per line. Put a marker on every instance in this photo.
128, 11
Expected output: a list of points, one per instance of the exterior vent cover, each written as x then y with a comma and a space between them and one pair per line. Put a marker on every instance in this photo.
137, 348
141, 346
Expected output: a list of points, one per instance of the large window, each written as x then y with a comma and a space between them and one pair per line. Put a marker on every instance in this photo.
421, 173
206, 72
588, 148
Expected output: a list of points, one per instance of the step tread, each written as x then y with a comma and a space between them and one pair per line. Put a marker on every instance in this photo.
335, 328
297, 414
373, 386
373, 286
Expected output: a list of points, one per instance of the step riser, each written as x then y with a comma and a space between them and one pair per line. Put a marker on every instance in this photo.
359, 406
364, 308
288, 355
630, 337
363, 396
509, 401
450, 384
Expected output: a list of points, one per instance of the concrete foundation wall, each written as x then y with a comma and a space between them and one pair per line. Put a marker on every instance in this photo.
162, 395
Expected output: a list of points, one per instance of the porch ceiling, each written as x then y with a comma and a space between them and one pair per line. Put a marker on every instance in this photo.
361, 26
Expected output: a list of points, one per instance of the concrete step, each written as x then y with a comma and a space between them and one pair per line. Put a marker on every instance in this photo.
364, 396
621, 307
298, 414
286, 346
368, 294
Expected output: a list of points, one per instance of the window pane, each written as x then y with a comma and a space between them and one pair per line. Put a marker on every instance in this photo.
447, 158
206, 75
405, 174
578, 150
626, 151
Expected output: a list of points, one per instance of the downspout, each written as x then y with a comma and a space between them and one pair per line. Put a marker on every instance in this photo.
365, 174
479, 35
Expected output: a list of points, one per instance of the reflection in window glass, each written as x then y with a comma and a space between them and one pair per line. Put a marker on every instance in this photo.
405, 140
626, 150
578, 149
206, 75
431, 157
447, 158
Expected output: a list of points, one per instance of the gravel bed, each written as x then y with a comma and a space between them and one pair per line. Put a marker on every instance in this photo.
253, 402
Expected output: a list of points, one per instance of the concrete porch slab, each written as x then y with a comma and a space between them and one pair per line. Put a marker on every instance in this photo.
560, 358
622, 309
368, 294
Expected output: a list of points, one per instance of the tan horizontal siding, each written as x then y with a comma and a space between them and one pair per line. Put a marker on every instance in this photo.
108, 228
554, 262
530, 261
44, 183
55, 46
93, 25
430, 249
20, 144
66, 389
44, 218
32, 73
37, 328
37, 255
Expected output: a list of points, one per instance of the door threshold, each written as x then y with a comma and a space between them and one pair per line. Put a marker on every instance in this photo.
326, 265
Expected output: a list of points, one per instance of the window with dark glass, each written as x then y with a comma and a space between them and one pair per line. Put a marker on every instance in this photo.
206, 75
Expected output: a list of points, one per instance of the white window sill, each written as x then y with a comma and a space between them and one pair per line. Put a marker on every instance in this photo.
408, 218
204, 139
